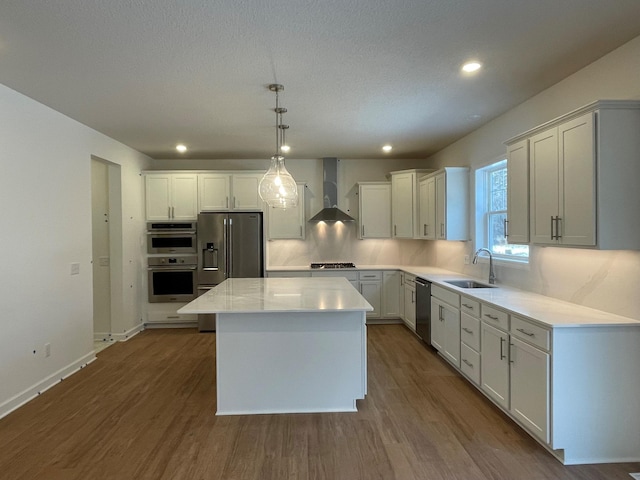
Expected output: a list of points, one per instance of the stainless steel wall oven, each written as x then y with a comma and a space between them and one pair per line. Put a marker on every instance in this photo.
172, 279
171, 237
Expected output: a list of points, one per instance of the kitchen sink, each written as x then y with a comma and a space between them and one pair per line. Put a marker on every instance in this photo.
468, 284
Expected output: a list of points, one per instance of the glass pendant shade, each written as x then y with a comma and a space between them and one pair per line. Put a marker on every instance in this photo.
277, 187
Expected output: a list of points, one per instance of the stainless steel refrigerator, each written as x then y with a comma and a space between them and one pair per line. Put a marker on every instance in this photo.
230, 245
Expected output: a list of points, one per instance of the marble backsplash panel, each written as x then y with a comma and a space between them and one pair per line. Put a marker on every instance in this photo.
605, 280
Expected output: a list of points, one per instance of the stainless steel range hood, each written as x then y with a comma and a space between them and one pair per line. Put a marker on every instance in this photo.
330, 212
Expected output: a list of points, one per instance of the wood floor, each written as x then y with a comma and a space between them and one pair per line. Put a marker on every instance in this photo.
145, 410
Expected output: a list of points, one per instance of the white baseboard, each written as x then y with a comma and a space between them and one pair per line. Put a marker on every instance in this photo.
123, 337
30, 393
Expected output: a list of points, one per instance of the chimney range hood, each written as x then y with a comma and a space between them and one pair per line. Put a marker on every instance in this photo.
330, 212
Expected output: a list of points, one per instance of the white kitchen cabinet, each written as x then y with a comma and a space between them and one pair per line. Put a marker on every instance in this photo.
289, 274
405, 203
391, 284
171, 196
494, 370
582, 170
370, 285
427, 201
447, 203
409, 292
244, 191
351, 275
470, 357
214, 191
375, 210
445, 323
517, 223
288, 223
229, 191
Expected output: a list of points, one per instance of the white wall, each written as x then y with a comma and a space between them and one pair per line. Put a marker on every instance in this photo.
45, 190
606, 280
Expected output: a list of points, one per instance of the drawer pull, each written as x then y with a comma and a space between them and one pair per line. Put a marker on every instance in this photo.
466, 305
502, 355
467, 362
490, 316
173, 316
467, 330
528, 334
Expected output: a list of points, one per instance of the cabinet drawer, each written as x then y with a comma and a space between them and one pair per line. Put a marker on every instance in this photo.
351, 275
445, 295
529, 332
410, 279
471, 307
470, 363
366, 275
288, 274
470, 330
495, 317
170, 317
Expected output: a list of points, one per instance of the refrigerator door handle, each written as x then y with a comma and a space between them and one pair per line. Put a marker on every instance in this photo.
230, 247
226, 260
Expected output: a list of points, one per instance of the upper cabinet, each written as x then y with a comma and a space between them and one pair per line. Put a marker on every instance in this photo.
517, 223
582, 176
171, 196
405, 208
444, 204
287, 223
375, 209
219, 191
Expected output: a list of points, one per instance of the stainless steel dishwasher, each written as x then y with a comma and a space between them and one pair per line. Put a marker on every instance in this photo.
423, 309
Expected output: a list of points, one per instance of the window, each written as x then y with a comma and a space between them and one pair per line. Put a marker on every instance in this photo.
491, 213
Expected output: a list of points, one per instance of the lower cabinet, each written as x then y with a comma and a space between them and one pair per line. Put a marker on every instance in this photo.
391, 284
409, 293
445, 328
370, 284
494, 371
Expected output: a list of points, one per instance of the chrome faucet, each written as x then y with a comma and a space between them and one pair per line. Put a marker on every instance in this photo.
492, 277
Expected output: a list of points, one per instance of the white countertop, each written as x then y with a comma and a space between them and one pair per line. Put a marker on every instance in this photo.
251, 295
541, 309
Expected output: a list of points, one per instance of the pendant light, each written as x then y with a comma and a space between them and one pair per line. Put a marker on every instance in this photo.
277, 187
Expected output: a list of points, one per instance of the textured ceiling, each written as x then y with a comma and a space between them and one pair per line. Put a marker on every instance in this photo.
357, 73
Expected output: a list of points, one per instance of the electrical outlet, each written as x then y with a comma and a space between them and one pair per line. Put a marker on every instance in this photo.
466, 259
47, 349
75, 269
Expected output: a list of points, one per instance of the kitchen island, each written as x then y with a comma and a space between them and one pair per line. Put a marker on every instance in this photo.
287, 345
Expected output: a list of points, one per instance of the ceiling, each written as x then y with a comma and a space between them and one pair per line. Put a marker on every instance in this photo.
357, 73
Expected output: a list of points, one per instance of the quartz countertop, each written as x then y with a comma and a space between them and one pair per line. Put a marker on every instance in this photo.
546, 311
252, 295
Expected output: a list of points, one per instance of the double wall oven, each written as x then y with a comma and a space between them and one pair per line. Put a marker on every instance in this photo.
172, 262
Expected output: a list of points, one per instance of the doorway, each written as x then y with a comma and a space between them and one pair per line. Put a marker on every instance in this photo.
106, 222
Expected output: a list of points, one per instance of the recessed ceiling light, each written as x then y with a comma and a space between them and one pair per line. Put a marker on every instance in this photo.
387, 148
471, 67
181, 148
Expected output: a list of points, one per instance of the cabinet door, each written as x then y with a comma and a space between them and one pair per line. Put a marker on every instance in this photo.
402, 198
158, 196
391, 295
451, 334
371, 290
437, 324
375, 211
441, 206
517, 229
577, 224
543, 155
427, 196
530, 387
494, 368
410, 306
245, 191
287, 223
184, 197
213, 192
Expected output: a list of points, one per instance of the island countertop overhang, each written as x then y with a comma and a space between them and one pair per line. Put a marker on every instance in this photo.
252, 295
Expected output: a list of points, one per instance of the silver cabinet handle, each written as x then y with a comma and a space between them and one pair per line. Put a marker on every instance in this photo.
558, 236
467, 306
467, 330
528, 334
362, 229
368, 276
168, 212
173, 212
506, 232
173, 316
552, 237
300, 230
413, 295
440, 313
424, 230
467, 362
490, 316
502, 355
395, 230
511, 356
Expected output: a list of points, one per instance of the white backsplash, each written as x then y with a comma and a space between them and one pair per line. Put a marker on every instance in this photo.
605, 280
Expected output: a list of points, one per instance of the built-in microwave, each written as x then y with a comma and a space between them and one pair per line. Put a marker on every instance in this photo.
171, 237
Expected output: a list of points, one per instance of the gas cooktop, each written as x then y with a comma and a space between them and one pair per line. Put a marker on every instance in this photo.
334, 265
